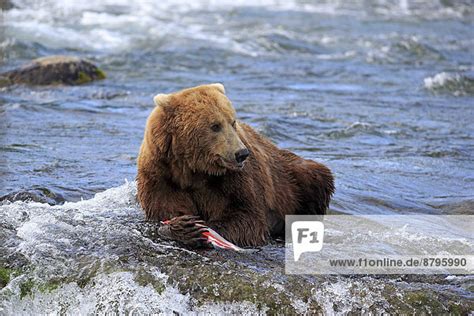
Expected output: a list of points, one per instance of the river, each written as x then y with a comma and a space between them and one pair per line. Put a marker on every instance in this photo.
380, 91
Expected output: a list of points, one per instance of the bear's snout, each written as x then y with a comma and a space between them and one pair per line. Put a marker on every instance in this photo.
241, 155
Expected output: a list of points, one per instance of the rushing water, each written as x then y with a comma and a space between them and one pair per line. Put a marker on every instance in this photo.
380, 91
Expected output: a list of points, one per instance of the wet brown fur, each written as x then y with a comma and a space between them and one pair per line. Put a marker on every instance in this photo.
184, 168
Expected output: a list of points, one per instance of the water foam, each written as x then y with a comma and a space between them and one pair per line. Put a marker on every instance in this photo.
454, 83
115, 293
352, 295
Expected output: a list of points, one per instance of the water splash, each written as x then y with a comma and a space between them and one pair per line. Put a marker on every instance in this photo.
452, 83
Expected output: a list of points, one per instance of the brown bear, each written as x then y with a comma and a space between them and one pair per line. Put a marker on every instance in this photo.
199, 165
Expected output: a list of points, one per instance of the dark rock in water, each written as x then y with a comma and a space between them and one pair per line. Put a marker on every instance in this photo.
6, 5
456, 207
4, 81
53, 70
37, 194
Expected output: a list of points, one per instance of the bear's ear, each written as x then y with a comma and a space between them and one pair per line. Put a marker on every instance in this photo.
218, 86
161, 99
156, 132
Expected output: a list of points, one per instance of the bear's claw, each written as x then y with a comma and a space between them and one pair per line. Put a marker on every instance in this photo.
186, 229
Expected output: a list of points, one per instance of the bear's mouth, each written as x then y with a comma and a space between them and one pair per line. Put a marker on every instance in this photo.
232, 165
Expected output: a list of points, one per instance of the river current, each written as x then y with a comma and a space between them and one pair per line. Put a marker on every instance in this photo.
380, 91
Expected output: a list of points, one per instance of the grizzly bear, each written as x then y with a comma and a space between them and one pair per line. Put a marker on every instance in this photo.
198, 165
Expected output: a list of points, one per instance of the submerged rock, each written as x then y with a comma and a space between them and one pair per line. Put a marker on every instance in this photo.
35, 194
181, 282
99, 256
53, 70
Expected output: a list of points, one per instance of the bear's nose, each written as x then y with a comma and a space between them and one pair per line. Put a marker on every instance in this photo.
241, 155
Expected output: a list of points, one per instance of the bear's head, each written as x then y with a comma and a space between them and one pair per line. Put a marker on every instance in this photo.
196, 129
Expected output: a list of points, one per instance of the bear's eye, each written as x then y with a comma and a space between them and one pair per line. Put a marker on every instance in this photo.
216, 127
233, 124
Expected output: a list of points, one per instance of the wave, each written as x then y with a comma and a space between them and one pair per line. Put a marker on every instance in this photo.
111, 26
403, 51
452, 83
356, 128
